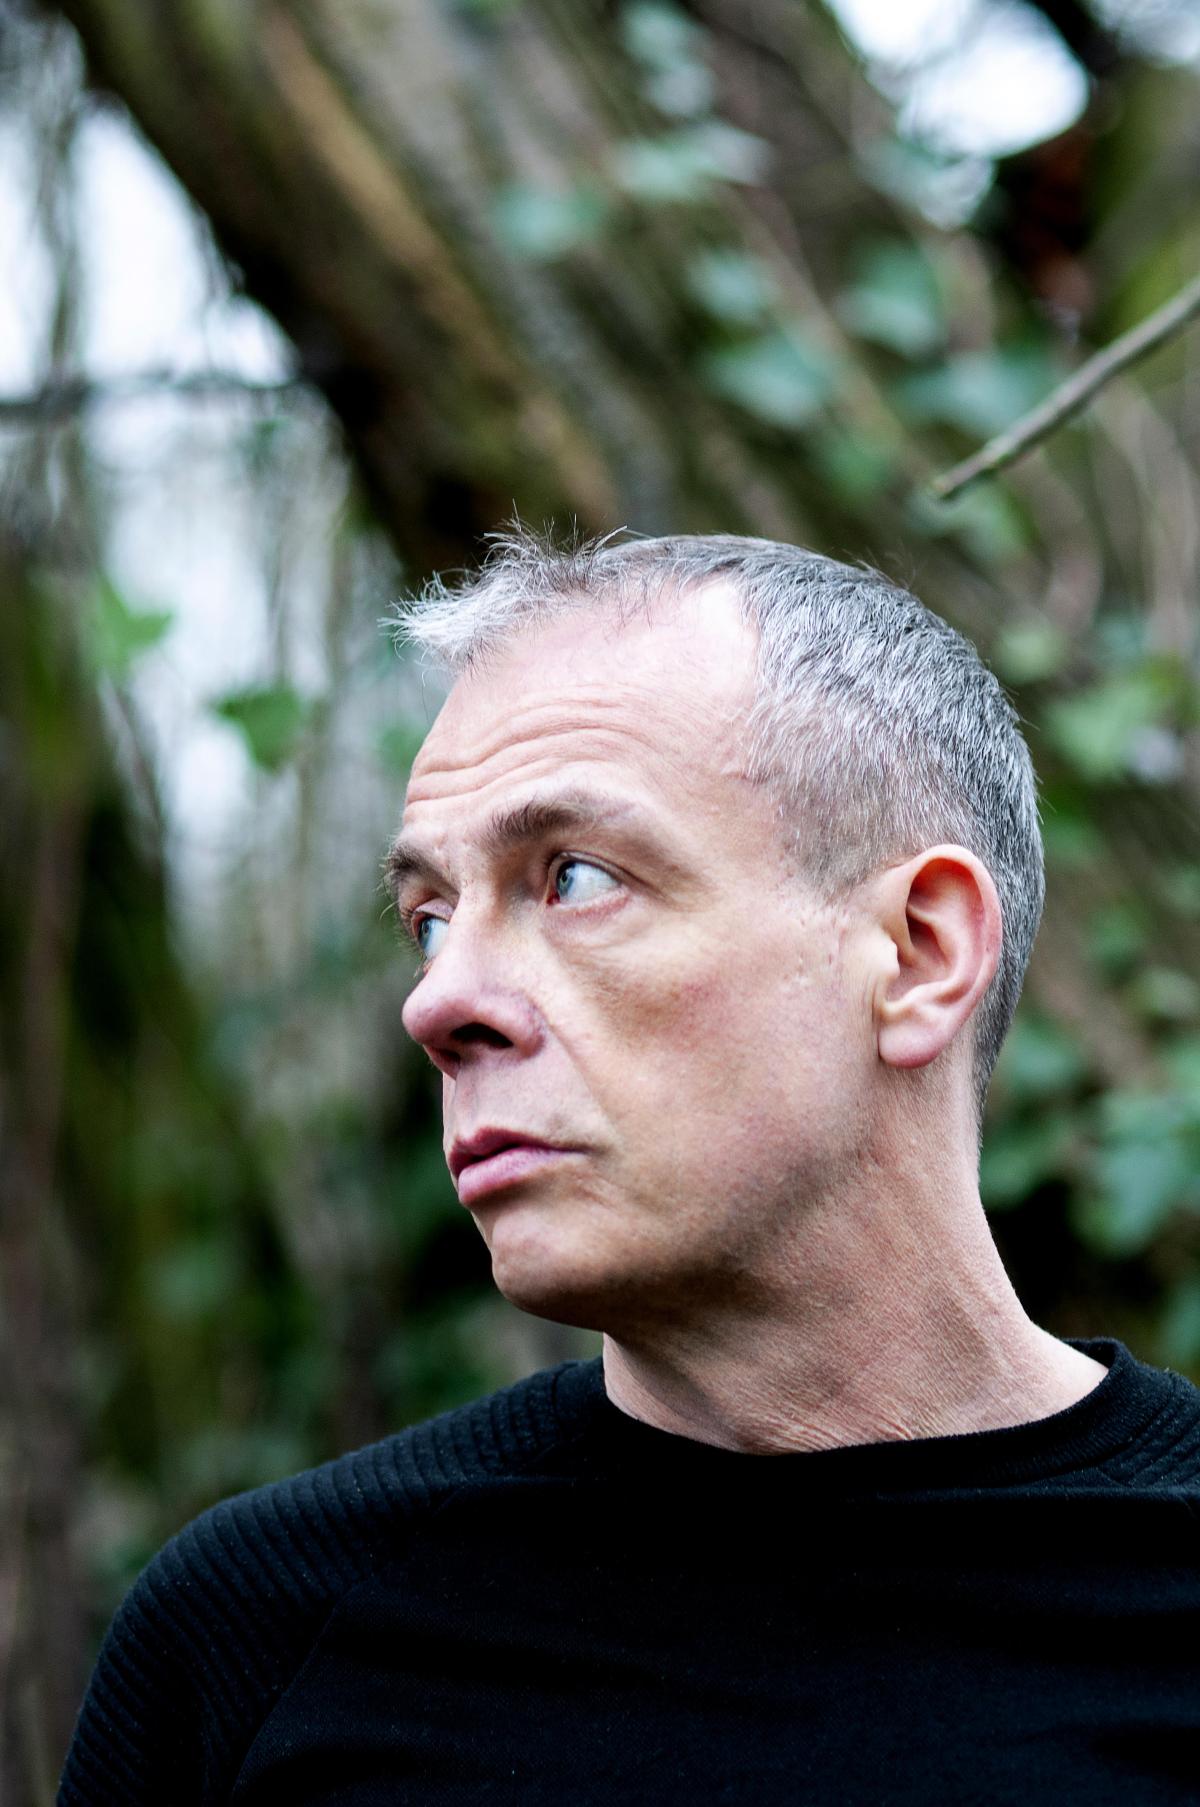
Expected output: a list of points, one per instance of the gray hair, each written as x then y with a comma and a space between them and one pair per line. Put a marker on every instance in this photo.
876, 727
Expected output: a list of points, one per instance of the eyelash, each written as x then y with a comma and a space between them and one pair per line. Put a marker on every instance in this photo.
412, 917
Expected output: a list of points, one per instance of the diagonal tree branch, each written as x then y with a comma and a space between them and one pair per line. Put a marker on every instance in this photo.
65, 397
1073, 394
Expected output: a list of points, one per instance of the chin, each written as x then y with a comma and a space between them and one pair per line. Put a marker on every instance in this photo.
588, 1289
547, 1289
541, 1273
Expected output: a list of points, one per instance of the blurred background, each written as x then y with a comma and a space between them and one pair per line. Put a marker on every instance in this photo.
298, 301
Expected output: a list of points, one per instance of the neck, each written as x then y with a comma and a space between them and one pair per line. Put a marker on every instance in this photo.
897, 1323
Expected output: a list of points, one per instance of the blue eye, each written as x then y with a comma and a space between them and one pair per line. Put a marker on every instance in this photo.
425, 937
575, 881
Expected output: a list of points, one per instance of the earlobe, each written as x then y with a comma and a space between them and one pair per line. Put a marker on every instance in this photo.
941, 914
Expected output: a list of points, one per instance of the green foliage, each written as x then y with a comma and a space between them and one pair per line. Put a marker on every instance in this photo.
190, 1281
544, 224
1020, 1156
920, 177
781, 377
1029, 652
669, 47
979, 392
1102, 730
1031, 1138
658, 35
121, 634
1070, 834
1117, 936
855, 467
895, 300
1039, 1061
684, 164
731, 286
986, 521
1145, 1169
271, 719
1179, 1331
397, 746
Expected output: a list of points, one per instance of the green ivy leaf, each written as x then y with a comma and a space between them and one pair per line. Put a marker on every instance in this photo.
779, 377
729, 153
1180, 887
120, 635
1182, 1061
1017, 1158
1165, 994
542, 224
684, 164
1029, 652
1141, 1185
270, 718
895, 300
1116, 938
659, 170
731, 286
985, 519
1136, 1117
944, 188
855, 467
668, 46
658, 35
1072, 842
684, 90
979, 392
1039, 1060
1097, 729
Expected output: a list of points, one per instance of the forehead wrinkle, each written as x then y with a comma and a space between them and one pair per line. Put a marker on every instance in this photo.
516, 824
544, 721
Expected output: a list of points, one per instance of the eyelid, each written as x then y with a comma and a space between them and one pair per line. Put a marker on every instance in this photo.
581, 859
412, 915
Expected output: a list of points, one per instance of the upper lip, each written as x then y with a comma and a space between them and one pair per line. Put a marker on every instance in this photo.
489, 1141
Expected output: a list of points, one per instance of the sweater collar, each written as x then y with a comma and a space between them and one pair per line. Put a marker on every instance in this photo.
1081, 1437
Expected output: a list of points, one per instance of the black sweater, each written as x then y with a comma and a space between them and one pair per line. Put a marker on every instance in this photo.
537, 1597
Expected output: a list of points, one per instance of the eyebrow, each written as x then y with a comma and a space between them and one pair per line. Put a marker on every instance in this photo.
520, 823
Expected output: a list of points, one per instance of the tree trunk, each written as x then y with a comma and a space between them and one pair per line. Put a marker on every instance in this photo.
351, 158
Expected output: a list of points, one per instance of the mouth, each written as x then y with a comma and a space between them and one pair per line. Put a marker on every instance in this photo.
496, 1158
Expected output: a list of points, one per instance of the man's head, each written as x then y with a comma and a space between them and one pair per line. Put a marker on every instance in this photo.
790, 807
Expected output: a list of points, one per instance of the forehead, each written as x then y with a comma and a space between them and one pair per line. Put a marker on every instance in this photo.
662, 697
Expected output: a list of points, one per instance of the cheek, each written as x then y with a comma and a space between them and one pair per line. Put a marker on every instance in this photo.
760, 1047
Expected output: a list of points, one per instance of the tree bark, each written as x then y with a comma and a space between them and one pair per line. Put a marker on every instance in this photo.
349, 157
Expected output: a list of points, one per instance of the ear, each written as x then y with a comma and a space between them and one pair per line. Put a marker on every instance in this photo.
941, 913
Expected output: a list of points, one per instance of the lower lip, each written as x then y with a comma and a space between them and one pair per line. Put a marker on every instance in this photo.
504, 1169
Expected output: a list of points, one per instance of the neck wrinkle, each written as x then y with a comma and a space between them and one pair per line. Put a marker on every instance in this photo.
874, 1337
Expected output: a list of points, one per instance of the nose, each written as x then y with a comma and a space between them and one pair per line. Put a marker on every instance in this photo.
464, 1006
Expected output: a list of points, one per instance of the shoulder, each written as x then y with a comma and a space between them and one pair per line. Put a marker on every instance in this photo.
1162, 1448
220, 1621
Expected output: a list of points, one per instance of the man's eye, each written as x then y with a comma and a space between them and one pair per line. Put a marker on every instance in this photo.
426, 936
578, 881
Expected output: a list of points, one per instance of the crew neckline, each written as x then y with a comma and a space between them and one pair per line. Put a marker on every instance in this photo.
1080, 1436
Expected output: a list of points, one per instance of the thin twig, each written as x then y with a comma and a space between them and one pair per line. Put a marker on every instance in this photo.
1073, 394
65, 397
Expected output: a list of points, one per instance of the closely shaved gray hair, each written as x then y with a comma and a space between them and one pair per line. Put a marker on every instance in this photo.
876, 727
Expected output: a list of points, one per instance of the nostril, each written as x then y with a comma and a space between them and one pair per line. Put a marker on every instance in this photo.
481, 1032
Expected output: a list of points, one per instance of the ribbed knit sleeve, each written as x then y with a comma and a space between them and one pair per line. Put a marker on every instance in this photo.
218, 1625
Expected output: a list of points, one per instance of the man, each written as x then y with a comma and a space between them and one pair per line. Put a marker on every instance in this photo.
723, 863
